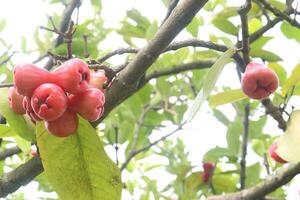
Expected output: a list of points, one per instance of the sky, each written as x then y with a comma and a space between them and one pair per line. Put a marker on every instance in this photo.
23, 19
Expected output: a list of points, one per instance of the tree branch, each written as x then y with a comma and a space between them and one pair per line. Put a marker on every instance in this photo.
64, 24
280, 14
126, 83
9, 152
172, 5
271, 183
134, 153
177, 69
20, 176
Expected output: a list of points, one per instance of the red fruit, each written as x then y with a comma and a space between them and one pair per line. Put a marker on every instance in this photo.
27, 106
27, 77
73, 76
205, 177
208, 166
49, 101
89, 104
16, 101
274, 155
98, 79
259, 81
64, 125
34, 153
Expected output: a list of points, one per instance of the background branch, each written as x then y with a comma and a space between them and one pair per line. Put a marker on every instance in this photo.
9, 152
271, 183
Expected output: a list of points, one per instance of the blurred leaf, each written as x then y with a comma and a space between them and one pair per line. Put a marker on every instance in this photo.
290, 32
24, 145
252, 175
258, 146
77, 166
233, 136
221, 117
265, 55
17, 122
23, 44
259, 43
224, 182
152, 29
193, 26
225, 97
225, 25
290, 139
214, 154
280, 71
6, 131
209, 82
254, 25
97, 5
292, 80
2, 24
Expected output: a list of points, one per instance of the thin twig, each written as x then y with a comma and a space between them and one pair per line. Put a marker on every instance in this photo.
4, 85
244, 147
266, 163
243, 11
9, 152
8, 58
280, 14
134, 153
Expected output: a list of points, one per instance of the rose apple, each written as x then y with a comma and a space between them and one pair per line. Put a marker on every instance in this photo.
16, 101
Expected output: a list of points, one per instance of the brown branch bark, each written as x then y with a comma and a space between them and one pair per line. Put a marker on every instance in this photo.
127, 82
9, 152
271, 183
20, 176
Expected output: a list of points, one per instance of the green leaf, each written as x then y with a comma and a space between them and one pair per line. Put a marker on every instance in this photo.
225, 97
6, 131
254, 25
292, 80
193, 26
233, 136
152, 29
259, 43
97, 4
16, 122
24, 145
280, 71
252, 174
225, 25
23, 44
214, 154
77, 166
265, 55
210, 81
224, 182
290, 32
221, 117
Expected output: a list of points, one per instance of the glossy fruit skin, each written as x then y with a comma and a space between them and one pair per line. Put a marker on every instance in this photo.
73, 76
27, 77
29, 110
208, 170
49, 101
259, 81
16, 101
64, 125
274, 155
98, 79
89, 104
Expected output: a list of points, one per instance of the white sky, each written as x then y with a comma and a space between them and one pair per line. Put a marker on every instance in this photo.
203, 133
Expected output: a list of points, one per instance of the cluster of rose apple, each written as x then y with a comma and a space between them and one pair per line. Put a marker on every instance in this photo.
259, 82
208, 170
56, 97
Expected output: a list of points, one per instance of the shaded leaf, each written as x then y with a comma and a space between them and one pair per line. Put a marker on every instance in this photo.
210, 81
265, 55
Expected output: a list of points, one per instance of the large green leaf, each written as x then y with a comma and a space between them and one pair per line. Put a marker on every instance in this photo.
290, 32
210, 81
225, 97
265, 55
252, 174
225, 25
6, 131
77, 166
292, 80
17, 122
